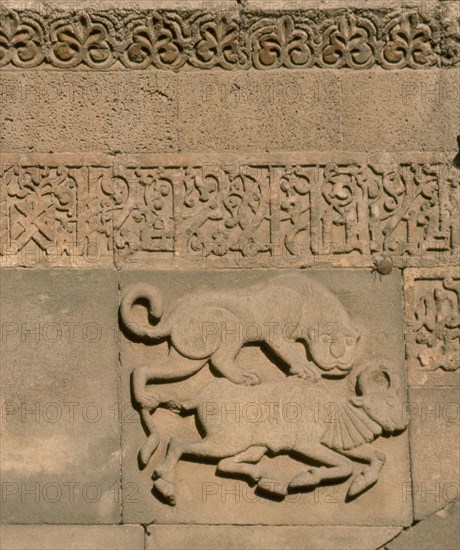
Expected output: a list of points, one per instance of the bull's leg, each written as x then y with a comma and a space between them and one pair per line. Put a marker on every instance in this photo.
224, 361
244, 463
338, 466
370, 474
153, 440
165, 473
169, 401
296, 360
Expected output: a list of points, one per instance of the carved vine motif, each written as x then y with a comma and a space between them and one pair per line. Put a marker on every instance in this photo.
166, 40
158, 40
279, 43
349, 42
435, 321
87, 39
408, 43
22, 39
299, 213
287, 300
450, 43
215, 43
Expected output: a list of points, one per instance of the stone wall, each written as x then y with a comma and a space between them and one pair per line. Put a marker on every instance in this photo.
266, 166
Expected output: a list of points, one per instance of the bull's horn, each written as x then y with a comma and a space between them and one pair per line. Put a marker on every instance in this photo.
373, 378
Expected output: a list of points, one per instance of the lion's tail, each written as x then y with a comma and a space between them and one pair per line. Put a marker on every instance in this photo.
151, 295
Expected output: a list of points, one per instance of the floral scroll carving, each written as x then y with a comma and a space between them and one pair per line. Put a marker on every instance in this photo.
169, 40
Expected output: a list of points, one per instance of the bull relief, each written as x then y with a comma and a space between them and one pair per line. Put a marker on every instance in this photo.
321, 405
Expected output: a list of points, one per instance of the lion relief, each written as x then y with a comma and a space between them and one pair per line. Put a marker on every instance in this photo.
201, 327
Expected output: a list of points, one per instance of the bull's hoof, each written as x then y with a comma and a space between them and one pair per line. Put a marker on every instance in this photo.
305, 479
360, 483
272, 486
167, 490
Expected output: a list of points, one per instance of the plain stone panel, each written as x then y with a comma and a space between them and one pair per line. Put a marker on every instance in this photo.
206, 497
401, 110
49, 111
72, 537
435, 448
60, 437
441, 531
260, 111
231, 537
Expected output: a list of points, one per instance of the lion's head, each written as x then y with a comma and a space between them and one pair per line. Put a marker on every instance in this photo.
333, 347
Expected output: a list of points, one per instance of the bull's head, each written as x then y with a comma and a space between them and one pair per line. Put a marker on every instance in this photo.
379, 395
333, 349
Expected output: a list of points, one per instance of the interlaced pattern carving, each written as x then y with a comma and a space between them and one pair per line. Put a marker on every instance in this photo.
342, 214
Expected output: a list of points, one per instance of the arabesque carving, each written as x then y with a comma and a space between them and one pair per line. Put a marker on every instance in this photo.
170, 40
268, 213
433, 321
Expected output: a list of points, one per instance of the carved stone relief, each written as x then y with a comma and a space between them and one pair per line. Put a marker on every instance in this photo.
169, 40
432, 326
227, 213
190, 364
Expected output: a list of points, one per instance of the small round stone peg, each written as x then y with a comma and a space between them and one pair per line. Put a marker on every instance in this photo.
383, 265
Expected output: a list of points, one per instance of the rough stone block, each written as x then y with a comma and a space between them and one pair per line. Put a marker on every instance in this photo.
209, 537
47, 111
435, 449
260, 111
204, 496
441, 531
72, 537
60, 438
400, 111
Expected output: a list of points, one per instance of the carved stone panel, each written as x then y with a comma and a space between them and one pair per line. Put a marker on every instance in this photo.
283, 209
432, 326
135, 38
262, 397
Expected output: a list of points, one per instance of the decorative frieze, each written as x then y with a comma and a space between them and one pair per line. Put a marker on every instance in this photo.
299, 212
169, 40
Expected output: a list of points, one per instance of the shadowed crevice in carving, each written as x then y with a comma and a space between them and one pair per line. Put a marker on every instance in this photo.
457, 158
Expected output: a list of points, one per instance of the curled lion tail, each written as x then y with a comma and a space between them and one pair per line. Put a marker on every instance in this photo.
143, 292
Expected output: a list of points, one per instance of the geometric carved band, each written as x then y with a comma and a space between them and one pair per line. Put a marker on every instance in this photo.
279, 209
169, 40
